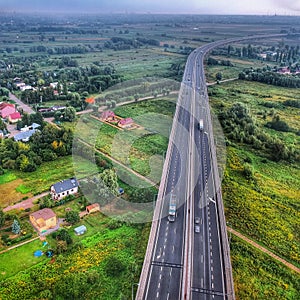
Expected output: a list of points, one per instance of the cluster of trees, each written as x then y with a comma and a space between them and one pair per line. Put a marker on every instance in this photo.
214, 62
79, 49
259, 75
120, 43
103, 186
280, 54
45, 145
82, 80
240, 126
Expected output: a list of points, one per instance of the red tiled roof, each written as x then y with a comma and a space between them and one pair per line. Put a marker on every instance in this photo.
15, 116
4, 104
107, 114
95, 205
126, 121
44, 214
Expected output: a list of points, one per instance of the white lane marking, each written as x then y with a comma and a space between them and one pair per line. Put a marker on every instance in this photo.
168, 296
201, 258
212, 277
157, 294
173, 249
175, 230
210, 253
159, 285
211, 260
160, 276
202, 282
212, 285
212, 268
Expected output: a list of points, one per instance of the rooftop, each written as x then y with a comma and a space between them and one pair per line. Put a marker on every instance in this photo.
65, 185
25, 135
45, 214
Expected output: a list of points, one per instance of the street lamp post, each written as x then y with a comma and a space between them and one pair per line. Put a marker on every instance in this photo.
137, 284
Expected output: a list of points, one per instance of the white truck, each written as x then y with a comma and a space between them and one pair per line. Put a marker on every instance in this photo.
172, 208
200, 125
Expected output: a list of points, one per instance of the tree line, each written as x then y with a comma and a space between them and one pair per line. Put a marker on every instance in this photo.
240, 126
269, 77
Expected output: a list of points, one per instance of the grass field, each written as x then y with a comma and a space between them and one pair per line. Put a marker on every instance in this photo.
257, 276
20, 259
126, 242
267, 207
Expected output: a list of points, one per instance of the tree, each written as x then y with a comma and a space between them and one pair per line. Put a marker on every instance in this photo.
69, 114
16, 228
110, 180
64, 235
219, 76
72, 217
61, 247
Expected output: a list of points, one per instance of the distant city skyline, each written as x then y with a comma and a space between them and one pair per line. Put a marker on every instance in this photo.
156, 6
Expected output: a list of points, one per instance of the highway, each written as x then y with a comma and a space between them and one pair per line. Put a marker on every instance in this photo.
182, 262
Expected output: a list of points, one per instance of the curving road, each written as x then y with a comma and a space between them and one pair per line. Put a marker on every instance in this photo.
182, 262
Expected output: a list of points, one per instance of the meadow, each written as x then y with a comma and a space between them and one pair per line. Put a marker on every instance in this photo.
266, 206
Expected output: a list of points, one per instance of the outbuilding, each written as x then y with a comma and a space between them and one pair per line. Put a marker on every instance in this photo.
80, 230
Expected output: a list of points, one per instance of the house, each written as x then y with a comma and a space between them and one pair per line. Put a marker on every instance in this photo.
93, 208
125, 123
25, 135
80, 230
14, 117
108, 115
43, 219
6, 109
64, 188
30, 127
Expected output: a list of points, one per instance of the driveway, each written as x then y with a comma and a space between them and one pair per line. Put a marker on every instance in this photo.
26, 108
28, 203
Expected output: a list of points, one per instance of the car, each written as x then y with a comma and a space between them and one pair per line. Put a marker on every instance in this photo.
197, 228
197, 220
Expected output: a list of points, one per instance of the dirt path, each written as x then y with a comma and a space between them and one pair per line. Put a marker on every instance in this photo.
16, 246
241, 236
222, 81
28, 203
122, 165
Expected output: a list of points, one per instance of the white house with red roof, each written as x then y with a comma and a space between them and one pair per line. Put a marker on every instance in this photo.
14, 117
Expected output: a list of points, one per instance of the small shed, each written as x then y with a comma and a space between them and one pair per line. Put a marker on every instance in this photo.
93, 208
80, 230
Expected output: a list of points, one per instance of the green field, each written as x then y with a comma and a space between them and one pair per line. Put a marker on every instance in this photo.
257, 276
266, 207
126, 244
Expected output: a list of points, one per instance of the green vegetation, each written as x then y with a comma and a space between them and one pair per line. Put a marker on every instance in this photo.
102, 254
8, 176
258, 276
23, 189
260, 195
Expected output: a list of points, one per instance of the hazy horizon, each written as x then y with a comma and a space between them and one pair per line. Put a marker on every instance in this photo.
227, 7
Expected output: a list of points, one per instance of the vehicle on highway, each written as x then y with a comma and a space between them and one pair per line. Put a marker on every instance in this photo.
172, 208
200, 125
197, 228
197, 220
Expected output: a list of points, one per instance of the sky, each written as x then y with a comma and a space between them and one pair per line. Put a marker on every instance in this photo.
286, 7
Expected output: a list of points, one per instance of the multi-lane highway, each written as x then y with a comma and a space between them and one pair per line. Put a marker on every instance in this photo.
189, 258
